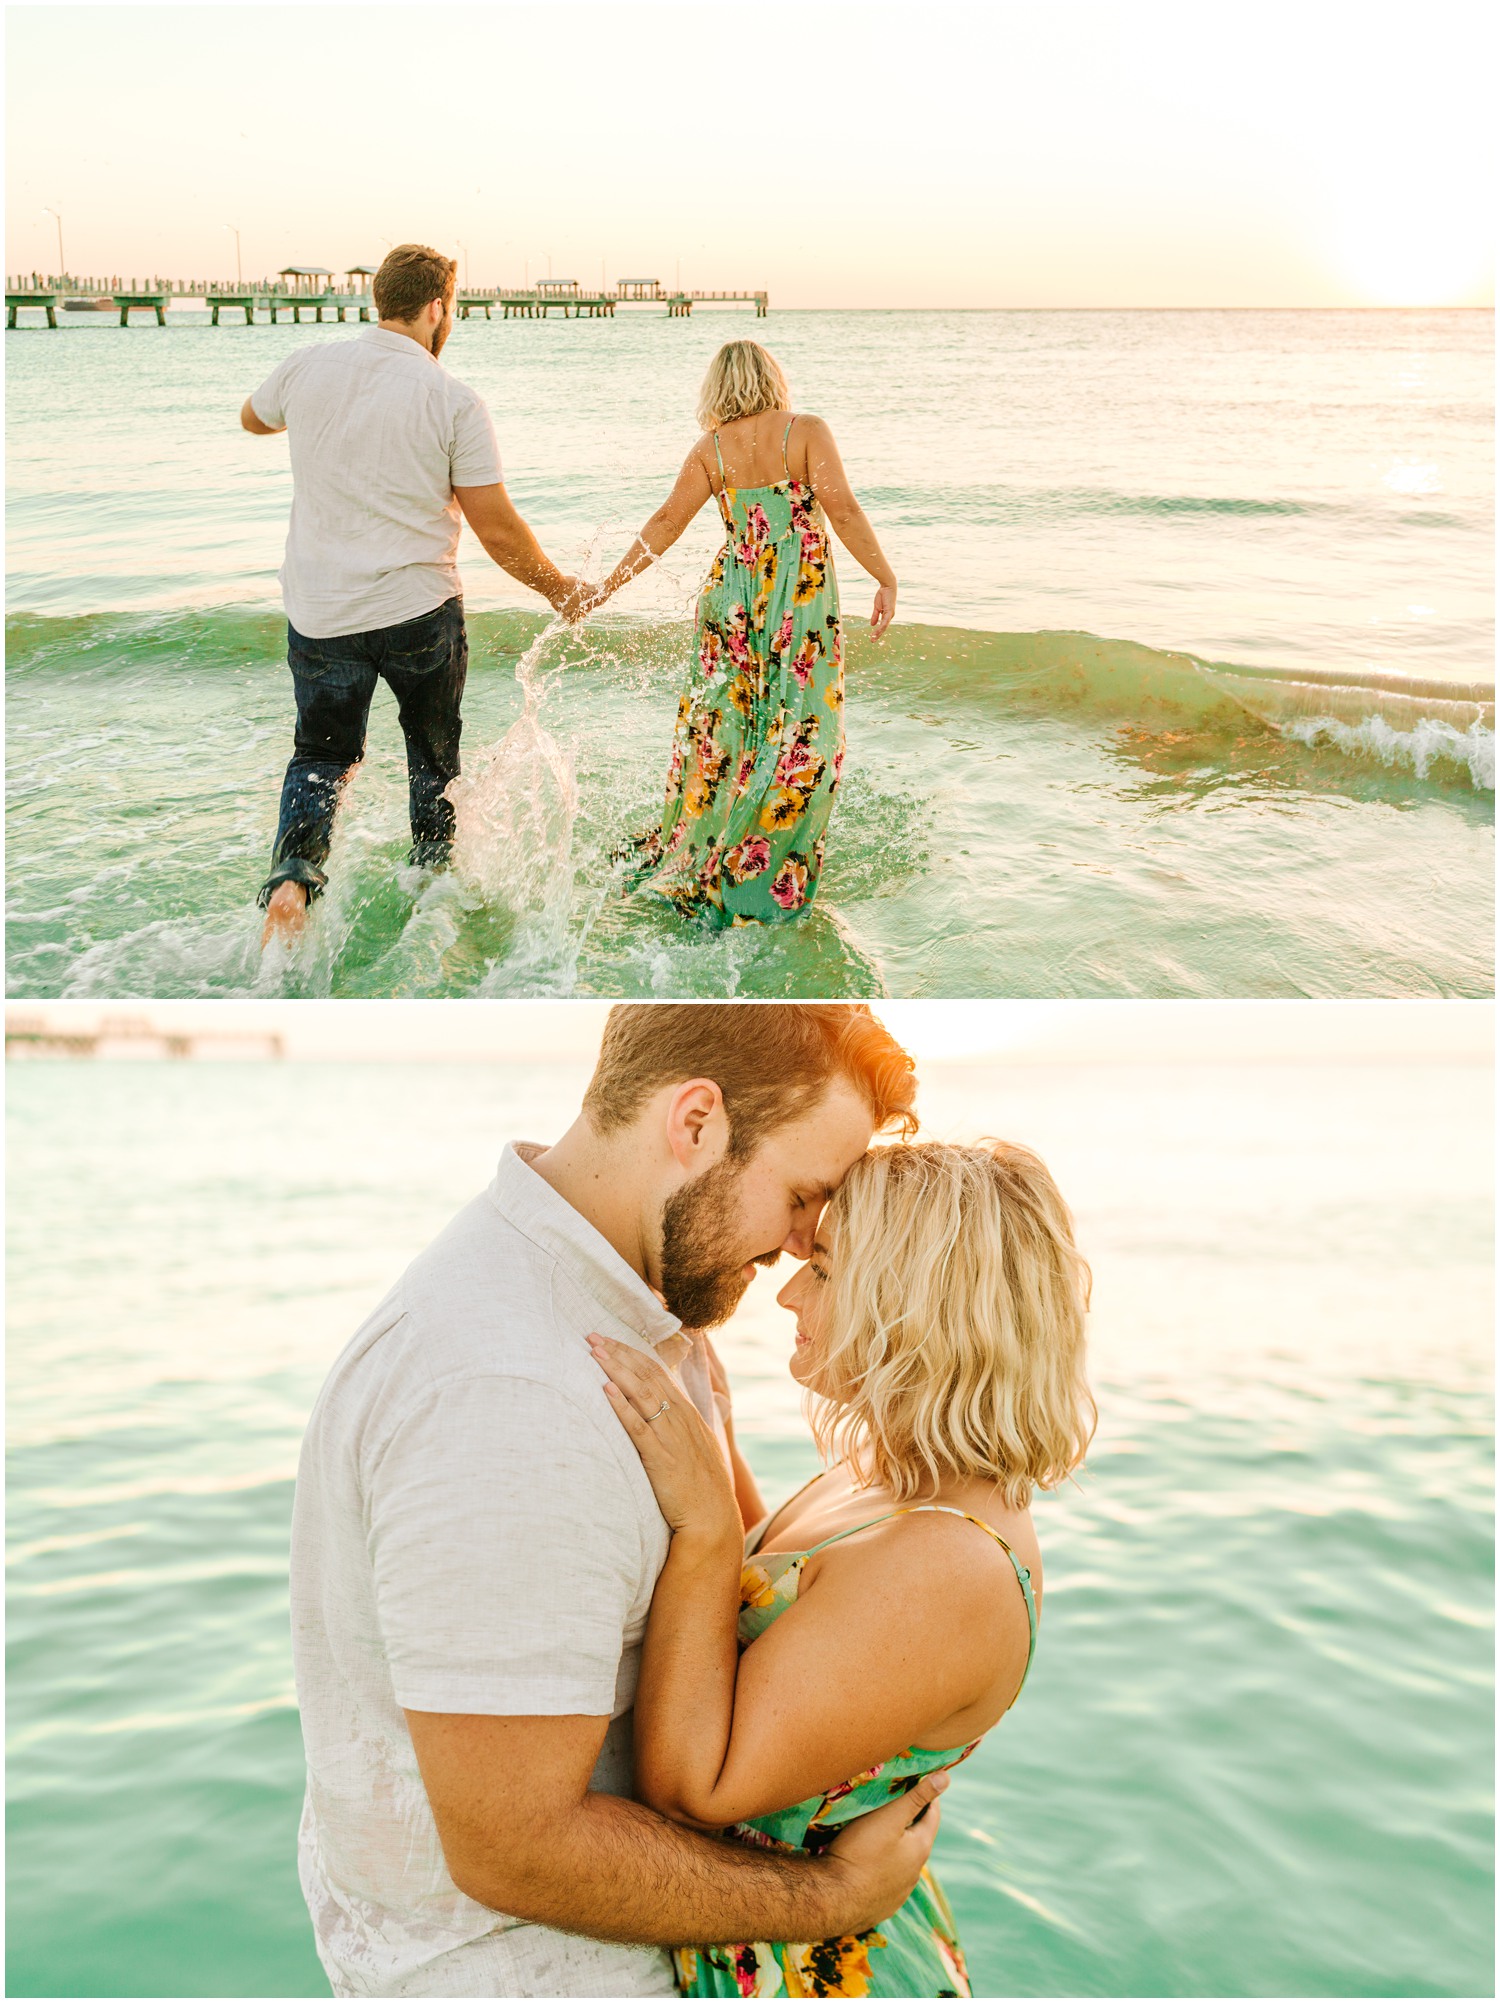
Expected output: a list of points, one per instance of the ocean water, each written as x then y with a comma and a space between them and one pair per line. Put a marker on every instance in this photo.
1254, 1755
1190, 693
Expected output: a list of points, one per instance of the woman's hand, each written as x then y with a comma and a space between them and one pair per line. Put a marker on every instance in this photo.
678, 1451
883, 611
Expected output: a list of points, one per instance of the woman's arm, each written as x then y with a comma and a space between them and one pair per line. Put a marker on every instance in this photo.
689, 493
746, 1487
896, 1639
829, 481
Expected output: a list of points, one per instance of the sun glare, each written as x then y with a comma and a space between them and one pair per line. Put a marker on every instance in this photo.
1412, 245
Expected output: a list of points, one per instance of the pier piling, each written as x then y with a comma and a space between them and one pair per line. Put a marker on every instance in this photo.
299, 286
14, 301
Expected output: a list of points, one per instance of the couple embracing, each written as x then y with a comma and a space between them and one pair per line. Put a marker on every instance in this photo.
582, 1716
390, 454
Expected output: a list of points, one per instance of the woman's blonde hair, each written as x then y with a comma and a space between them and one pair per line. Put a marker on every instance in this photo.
743, 379
954, 1341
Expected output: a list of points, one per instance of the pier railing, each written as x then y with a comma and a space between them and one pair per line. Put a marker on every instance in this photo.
538, 301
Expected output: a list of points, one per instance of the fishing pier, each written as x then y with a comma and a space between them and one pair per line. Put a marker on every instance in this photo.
297, 290
568, 297
310, 289
130, 1036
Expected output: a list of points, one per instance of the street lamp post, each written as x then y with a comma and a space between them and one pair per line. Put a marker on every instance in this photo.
62, 262
239, 276
465, 249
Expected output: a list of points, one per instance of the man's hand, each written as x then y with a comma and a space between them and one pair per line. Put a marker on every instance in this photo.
886, 1851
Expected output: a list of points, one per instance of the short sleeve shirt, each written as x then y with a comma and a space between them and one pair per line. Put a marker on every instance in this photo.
380, 435
473, 1532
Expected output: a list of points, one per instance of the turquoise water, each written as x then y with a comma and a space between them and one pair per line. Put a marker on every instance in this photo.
1190, 694
1254, 1755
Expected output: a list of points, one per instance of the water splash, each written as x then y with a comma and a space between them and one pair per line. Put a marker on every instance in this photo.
513, 842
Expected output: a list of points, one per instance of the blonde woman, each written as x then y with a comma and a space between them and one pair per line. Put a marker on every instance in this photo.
759, 742
883, 1620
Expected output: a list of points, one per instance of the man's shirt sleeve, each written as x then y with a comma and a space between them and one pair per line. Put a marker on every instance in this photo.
506, 1553
474, 460
267, 401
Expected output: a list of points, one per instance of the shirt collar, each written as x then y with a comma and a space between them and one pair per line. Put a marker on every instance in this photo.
536, 1210
398, 343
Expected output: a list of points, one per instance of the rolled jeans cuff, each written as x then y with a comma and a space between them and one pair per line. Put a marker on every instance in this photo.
293, 870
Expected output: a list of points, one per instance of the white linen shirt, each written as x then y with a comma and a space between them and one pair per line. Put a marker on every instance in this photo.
380, 435
473, 1532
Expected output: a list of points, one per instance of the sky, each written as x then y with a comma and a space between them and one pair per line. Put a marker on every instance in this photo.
934, 1032
1083, 153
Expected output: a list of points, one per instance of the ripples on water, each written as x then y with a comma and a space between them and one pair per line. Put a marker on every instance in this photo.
1272, 775
1253, 1756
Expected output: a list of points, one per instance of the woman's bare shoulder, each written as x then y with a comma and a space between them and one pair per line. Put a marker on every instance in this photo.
700, 458
935, 1574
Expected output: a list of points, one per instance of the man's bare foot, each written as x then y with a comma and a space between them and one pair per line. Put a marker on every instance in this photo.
286, 915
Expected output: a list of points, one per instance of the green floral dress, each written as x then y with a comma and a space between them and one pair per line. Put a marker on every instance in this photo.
913, 1953
759, 742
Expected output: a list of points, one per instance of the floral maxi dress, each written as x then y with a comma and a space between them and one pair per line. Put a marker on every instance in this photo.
915, 1952
758, 747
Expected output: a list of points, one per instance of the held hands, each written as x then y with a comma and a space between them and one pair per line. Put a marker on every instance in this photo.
573, 597
883, 611
681, 1457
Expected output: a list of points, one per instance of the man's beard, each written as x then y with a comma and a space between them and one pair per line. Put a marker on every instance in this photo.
702, 1277
440, 334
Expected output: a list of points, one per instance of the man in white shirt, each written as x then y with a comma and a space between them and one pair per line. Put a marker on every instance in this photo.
387, 450
475, 1545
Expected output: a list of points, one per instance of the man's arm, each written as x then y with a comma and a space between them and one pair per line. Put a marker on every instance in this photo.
250, 422
506, 538
522, 1833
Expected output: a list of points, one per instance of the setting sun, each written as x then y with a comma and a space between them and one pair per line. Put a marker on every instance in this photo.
1400, 240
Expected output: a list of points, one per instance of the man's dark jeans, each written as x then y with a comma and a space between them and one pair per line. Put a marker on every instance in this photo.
425, 661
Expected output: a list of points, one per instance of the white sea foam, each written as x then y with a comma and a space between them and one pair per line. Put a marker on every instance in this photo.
1429, 741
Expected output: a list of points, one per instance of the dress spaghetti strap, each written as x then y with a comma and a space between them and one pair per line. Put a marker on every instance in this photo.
723, 483
786, 470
